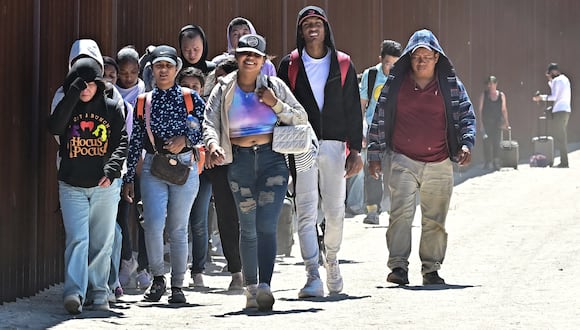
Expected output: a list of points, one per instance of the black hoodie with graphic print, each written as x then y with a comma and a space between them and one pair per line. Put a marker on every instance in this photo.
340, 118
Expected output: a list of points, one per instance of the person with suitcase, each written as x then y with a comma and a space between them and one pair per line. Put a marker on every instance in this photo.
492, 117
560, 93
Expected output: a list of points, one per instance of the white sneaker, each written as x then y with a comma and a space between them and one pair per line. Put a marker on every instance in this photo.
264, 297
72, 304
312, 288
333, 277
127, 268
102, 306
143, 279
197, 281
250, 293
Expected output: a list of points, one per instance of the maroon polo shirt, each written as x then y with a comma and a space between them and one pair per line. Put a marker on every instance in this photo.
420, 123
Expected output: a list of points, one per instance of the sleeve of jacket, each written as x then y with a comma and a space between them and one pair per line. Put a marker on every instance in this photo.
351, 99
118, 141
466, 118
62, 113
212, 124
376, 135
288, 109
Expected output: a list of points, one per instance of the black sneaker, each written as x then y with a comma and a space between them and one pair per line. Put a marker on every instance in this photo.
432, 278
177, 296
398, 276
156, 290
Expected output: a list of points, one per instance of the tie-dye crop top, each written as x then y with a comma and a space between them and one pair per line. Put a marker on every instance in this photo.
248, 116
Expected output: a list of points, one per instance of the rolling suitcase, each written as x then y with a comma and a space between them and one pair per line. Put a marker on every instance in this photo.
543, 143
285, 231
509, 153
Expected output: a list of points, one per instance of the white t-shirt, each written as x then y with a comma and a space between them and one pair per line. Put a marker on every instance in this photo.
561, 93
317, 70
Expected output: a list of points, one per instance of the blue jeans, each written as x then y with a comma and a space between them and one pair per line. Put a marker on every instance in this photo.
259, 179
116, 259
88, 216
166, 206
198, 224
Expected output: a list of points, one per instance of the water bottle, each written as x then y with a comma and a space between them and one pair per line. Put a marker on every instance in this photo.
192, 122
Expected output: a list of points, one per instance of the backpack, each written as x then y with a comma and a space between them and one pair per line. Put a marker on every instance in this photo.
144, 98
293, 65
371, 83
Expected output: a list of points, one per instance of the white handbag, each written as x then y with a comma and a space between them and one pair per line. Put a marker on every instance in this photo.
292, 139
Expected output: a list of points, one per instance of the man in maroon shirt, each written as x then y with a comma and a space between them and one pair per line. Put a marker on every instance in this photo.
424, 121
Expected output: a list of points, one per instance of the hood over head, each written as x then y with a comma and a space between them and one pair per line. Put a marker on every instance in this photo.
195, 30
426, 39
85, 48
88, 69
313, 11
238, 21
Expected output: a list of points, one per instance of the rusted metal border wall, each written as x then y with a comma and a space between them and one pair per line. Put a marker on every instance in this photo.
513, 40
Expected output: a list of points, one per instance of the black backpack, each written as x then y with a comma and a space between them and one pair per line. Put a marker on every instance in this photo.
371, 83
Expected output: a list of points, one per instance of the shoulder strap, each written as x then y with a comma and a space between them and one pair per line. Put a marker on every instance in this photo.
187, 98
293, 68
344, 63
371, 83
147, 119
292, 168
140, 105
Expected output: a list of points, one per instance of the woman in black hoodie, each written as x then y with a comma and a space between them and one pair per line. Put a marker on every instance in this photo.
93, 147
193, 49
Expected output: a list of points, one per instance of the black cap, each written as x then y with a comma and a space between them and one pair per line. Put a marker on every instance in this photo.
252, 43
164, 53
311, 11
553, 66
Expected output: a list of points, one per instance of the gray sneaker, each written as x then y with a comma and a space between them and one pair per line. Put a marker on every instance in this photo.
312, 288
333, 277
250, 293
372, 219
197, 281
72, 304
237, 282
264, 297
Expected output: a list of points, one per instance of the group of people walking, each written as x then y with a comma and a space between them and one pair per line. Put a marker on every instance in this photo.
116, 119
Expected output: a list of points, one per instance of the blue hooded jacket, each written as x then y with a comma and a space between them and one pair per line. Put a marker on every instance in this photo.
458, 108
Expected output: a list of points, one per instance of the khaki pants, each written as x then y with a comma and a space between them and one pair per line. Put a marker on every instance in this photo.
434, 184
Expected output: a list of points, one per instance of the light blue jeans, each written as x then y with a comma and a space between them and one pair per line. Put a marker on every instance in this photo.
166, 206
258, 178
433, 182
116, 258
88, 216
324, 179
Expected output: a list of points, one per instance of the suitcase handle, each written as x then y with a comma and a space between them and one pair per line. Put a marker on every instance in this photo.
509, 129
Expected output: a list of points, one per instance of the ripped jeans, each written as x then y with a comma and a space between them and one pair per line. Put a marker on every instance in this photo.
258, 178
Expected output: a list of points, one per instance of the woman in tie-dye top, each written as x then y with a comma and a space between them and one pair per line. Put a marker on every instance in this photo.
241, 113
